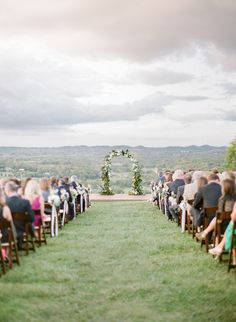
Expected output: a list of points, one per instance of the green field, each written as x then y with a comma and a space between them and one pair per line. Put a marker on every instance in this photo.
119, 262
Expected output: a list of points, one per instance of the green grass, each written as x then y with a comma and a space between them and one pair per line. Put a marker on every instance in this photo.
121, 261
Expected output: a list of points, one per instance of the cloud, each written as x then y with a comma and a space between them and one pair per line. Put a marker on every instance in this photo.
111, 66
190, 98
43, 113
230, 115
136, 30
159, 76
230, 88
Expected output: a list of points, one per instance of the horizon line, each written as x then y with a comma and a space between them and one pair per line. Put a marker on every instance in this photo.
111, 146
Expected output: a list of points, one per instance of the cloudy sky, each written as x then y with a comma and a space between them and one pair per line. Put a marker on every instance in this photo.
107, 72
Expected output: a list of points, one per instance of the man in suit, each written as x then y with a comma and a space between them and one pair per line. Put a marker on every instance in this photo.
208, 196
18, 205
178, 180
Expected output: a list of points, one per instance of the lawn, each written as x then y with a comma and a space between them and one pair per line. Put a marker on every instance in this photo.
121, 261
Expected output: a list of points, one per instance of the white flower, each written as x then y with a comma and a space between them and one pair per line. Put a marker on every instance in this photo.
54, 200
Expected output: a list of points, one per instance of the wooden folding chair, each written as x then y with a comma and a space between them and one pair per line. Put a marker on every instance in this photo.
182, 218
219, 233
179, 216
2, 260
48, 220
11, 244
232, 248
206, 213
189, 220
51, 223
28, 239
64, 213
41, 235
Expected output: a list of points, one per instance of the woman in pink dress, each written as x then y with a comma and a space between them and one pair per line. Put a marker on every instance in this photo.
33, 194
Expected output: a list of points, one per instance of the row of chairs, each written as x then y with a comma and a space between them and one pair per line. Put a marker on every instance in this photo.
57, 218
184, 220
11, 244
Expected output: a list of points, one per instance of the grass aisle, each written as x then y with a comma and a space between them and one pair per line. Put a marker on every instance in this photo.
121, 261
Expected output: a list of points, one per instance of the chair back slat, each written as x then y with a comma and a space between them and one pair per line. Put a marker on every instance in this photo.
210, 210
21, 216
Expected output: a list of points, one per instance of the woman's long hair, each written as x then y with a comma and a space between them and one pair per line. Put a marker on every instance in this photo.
228, 189
2, 198
32, 190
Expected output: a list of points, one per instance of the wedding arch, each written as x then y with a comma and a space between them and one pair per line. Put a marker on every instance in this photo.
106, 171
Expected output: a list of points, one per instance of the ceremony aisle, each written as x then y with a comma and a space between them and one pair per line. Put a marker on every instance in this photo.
120, 261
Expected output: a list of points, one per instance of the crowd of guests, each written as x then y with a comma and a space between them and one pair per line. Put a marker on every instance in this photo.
30, 197
180, 194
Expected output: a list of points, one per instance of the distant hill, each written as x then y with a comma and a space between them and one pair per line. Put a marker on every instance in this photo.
85, 162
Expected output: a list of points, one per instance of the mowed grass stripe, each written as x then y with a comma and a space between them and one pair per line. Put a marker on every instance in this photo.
120, 261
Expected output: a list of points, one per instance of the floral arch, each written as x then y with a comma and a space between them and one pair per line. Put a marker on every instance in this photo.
106, 170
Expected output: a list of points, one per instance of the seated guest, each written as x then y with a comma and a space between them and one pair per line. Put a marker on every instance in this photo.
168, 179
160, 178
191, 189
179, 197
6, 214
180, 191
225, 203
178, 180
63, 186
208, 196
54, 183
165, 192
172, 192
228, 175
226, 240
45, 188
196, 214
18, 205
33, 194
21, 190
68, 190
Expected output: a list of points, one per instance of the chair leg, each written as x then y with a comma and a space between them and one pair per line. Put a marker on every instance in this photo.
230, 259
10, 257
40, 235
27, 244
32, 243
193, 231
207, 243
2, 261
15, 248
188, 223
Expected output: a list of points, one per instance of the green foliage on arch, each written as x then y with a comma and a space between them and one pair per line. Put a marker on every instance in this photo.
106, 170
231, 156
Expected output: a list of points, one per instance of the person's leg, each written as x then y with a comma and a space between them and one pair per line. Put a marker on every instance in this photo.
206, 231
172, 210
219, 248
210, 227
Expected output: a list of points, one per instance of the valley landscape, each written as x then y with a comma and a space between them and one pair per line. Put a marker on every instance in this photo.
86, 161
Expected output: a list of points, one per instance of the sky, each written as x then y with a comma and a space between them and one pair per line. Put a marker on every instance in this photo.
117, 72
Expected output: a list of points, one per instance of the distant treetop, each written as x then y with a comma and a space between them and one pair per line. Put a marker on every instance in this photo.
231, 156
